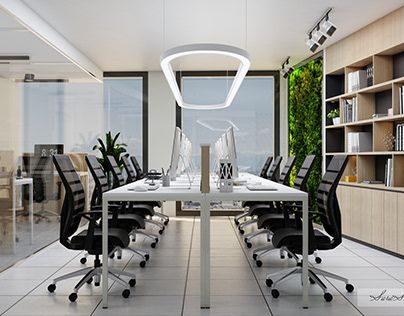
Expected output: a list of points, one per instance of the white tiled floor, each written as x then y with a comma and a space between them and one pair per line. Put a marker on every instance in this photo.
169, 285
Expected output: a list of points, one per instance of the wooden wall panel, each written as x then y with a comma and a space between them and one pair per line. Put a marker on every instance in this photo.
390, 221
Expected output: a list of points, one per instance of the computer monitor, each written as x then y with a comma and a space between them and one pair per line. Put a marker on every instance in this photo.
231, 150
175, 153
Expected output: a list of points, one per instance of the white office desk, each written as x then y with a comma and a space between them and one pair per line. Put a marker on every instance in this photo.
178, 191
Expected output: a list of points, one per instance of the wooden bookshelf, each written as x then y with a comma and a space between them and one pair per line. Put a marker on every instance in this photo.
370, 212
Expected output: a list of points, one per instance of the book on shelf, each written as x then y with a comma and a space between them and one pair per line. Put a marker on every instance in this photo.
372, 182
369, 75
359, 142
357, 80
401, 98
350, 108
399, 137
388, 178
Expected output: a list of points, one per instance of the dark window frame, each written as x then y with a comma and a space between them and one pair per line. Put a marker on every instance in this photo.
145, 107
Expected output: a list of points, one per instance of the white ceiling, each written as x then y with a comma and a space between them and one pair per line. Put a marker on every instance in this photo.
124, 35
45, 62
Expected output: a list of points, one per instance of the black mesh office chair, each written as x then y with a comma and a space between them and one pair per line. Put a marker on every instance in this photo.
271, 207
265, 168
132, 223
269, 221
139, 172
90, 239
119, 180
329, 238
273, 176
132, 177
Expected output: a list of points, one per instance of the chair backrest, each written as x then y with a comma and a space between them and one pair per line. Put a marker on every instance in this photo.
273, 172
284, 177
115, 171
74, 201
129, 170
100, 179
264, 170
138, 169
43, 179
304, 173
327, 201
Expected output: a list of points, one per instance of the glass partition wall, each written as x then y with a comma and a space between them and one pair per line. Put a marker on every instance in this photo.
56, 116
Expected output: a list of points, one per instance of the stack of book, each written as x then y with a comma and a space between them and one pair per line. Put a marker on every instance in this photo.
401, 98
388, 173
400, 137
369, 74
359, 142
350, 107
357, 80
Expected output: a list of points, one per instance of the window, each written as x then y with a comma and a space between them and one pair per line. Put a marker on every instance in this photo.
252, 115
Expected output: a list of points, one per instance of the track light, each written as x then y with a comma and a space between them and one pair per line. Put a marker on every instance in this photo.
286, 69
29, 78
318, 34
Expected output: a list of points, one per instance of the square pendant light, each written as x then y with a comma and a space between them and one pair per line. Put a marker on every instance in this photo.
212, 49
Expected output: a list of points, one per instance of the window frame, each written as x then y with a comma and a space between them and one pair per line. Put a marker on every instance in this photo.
145, 107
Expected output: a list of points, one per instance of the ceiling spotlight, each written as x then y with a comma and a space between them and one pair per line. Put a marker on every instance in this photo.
313, 45
319, 36
29, 78
319, 32
286, 69
327, 27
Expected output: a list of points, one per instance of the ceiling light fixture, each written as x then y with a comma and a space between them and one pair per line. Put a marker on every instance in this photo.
319, 32
213, 49
29, 78
286, 68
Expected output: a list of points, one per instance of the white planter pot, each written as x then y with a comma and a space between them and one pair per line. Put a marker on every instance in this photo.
336, 121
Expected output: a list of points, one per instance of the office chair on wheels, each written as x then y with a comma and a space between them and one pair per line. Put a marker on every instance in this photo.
132, 177
119, 181
133, 223
269, 221
90, 239
329, 213
272, 175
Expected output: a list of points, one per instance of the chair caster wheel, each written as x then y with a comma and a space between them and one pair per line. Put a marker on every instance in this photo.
255, 256
97, 283
153, 244
112, 256
289, 256
89, 281
142, 264
161, 231
166, 222
282, 256
119, 257
125, 293
328, 297
269, 282
51, 288
275, 293
246, 240
349, 287
132, 282
73, 297
258, 263
249, 245
318, 260
242, 231
311, 281
83, 260
236, 222
147, 257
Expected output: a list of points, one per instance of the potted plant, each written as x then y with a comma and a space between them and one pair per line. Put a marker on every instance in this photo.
334, 115
110, 148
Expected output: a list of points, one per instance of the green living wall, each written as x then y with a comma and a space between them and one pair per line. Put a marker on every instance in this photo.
305, 92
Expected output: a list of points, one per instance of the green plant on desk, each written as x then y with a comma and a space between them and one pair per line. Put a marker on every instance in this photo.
110, 148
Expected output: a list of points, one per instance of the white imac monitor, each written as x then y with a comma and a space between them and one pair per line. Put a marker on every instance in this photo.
231, 151
185, 154
175, 153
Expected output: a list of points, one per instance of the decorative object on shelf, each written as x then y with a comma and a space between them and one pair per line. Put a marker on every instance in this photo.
205, 49
401, 99
320, 31
334, 115
369, 75
399, 137
390, 112
112, 148
350, 108
389, 141
352, 177
388, 176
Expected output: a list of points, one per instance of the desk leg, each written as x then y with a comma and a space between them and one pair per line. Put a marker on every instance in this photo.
205, 252
31, 209
14, 228
305, 254
105, 253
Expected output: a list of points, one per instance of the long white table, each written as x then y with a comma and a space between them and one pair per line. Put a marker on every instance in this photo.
179, 191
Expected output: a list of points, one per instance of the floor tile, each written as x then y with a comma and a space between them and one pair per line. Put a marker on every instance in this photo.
227, 306
7, 301
223, 273
28, 273
386, 261
229, 261
396, 272
226, 287
18, 287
